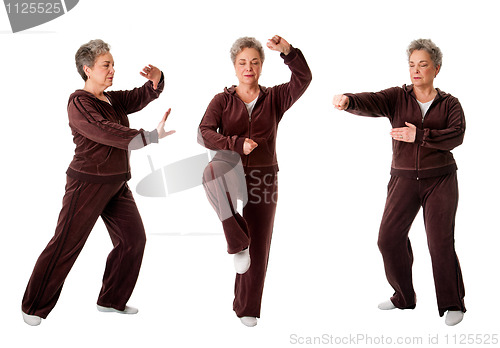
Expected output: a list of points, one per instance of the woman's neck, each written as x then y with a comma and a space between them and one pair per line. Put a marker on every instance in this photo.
425, 94
247, 93
95, 90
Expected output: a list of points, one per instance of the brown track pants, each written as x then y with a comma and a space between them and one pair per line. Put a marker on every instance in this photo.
83, 203
439, 198
254, 229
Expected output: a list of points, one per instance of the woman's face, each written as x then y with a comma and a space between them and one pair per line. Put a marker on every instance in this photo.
248, 66
103, 71
422, 69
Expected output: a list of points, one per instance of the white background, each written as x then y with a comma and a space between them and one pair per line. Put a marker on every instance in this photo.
325, 273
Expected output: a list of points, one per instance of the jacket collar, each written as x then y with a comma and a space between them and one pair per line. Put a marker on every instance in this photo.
409, 89
232, 90
82, 92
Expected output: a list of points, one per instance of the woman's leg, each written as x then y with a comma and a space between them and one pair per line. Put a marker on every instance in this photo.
401, 207
126, 230
223, 186
440, 206
82, 205
259, 214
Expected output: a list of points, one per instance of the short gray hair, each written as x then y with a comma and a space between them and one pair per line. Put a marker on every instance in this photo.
87, 55
428, 46
246, 42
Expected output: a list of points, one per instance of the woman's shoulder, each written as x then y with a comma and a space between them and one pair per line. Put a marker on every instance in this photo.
444, 94
226, 94
220, 99
397, 92
81, 94
450, 100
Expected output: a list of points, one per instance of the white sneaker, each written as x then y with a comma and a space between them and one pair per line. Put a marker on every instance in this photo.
127, 310
242, 261
249, 321
387, 305
454, 317
32, 320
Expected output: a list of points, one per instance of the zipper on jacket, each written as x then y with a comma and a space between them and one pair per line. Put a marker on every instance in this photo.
417, 160
422, 127
249, 133
249, 126
250, 123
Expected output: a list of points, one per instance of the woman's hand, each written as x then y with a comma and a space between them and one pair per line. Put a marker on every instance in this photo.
152, 73
341, 102
277, 43
161, 126
406, 134
248, 146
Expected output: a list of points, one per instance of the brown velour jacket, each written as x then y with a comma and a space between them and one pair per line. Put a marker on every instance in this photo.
226, 122
102, 135
438, 133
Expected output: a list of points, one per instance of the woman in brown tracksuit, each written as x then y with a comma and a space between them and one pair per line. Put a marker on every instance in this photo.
241, 124
97, 186
427, 124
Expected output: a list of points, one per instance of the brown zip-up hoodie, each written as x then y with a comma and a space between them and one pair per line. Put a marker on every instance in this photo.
102, 135
438, 133
226, 122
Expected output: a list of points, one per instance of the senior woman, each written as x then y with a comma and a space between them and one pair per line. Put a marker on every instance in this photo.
427, 124
97, 186
241, 123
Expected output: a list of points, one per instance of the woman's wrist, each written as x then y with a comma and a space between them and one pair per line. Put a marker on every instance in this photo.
286, 50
